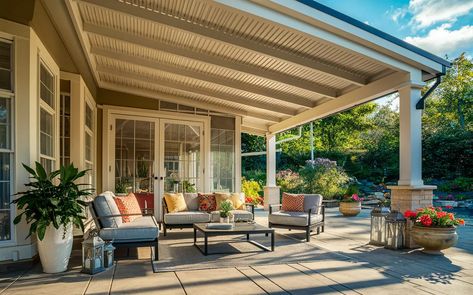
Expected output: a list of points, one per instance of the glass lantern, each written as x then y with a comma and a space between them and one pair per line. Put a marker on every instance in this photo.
378, 217
93, 254
395, 227
108, 255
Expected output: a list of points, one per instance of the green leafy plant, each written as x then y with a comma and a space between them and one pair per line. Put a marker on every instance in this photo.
52, 199
225, 208
323, 176
188, 187
251, 188
120, 187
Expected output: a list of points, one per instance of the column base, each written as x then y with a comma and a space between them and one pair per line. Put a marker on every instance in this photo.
408, 197
271, 196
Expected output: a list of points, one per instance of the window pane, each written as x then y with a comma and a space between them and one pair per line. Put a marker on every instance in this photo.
5, 66
46, 133
89, 121
222, 159
5, 122
65, 129
46, 86
88, 147
47, 164
5, 220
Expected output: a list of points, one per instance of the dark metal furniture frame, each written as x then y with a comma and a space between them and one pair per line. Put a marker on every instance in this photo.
201, 227
320, 226
190, 225
130, 244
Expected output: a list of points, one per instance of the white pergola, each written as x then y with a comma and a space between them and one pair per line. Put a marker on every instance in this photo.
277, 64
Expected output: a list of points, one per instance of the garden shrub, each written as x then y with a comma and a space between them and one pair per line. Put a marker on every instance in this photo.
459, 184
252, 190
289, 181
325, 177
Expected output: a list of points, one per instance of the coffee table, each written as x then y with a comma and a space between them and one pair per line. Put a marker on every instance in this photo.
238, 229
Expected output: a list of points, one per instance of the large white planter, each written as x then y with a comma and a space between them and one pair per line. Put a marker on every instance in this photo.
54, 251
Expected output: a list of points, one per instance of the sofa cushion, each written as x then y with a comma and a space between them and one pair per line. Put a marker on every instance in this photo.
128, 205
143, 228
240, 215
188, 217
207, 202
105, 205
293, 218
314, 202
192, 201
175, 202
292, 202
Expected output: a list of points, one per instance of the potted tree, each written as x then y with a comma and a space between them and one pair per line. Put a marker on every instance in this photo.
350, 206
52, 205
434, 229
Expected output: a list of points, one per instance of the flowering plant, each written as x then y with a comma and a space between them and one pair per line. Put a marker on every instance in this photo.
433, 217
352, 199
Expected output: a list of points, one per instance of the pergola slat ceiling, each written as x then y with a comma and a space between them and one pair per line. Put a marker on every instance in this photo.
214, 56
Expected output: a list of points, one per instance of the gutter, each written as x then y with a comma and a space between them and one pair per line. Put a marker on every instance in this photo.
277, 142
420, 105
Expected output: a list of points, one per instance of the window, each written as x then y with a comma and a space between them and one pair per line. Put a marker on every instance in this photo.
89, 142
223, 159
6, 139
46, 118
65, 129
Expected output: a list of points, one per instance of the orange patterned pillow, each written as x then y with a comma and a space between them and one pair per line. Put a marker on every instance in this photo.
292, 202
128, 205
207, 202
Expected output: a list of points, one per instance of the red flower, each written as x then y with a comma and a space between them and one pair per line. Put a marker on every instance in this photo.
461, 221
410, 214
441, 214
439, 208
451, 216
426, 220
448, 207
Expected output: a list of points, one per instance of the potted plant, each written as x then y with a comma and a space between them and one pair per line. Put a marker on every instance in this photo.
120, 188
52, 205
350, 206
433, 228
225, 208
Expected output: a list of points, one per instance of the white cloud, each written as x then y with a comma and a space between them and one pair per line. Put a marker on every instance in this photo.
398, 13
442, 40
428, 12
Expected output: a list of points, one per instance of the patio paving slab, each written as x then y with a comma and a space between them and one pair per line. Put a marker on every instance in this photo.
260, 280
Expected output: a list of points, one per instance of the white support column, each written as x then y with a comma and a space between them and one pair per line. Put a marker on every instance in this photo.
271, 191
410, 141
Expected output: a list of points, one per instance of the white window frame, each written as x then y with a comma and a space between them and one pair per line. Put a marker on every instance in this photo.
50, 110
62, 96
10, 94
92, 133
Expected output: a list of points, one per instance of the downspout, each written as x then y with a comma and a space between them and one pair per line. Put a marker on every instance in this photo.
421, 103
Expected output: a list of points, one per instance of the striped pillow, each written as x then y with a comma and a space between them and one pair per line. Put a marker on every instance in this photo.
292, 202
128, 205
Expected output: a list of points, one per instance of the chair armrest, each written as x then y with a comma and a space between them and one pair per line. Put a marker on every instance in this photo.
252, 206
147, 211
116, 215
273, 205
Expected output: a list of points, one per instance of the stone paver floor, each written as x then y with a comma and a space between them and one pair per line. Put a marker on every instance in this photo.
368, 270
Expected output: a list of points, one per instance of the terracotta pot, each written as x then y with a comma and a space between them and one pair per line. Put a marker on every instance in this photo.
434, 239
350, 208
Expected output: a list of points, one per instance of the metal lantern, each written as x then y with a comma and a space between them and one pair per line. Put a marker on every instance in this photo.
93, 254
108, 255
395, 226
378, 217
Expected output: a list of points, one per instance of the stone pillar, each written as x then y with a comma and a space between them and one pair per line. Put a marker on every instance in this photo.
410, 193
271, 191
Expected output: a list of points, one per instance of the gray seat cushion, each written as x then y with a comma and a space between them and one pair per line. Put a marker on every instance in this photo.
293, 218
192, 201
186, 217
105, 205
240, 215
143, 228
313, 201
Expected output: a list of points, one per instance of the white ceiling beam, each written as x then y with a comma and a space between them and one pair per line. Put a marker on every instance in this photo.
210, 59
190, 89
253, 131
198, 75
186, 101
255, 46
359, 96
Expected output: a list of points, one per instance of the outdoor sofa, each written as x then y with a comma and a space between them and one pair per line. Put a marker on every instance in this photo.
140, 232
186, 219
313, 216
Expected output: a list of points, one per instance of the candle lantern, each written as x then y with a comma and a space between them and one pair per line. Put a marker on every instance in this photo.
378, 217
93, 254
395, 227
108, 255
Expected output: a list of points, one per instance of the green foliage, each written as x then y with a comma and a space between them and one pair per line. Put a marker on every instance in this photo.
324, 177
188, 187
120, 187
251, 188
225, 208
46, 203
460, 184
289, 181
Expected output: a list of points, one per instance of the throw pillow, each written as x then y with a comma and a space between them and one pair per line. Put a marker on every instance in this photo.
207, 202
292, 202
128, 205
221, 197
175, 202
238, 201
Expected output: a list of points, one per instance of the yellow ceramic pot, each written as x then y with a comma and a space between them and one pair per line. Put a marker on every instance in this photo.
350, 208
434, 239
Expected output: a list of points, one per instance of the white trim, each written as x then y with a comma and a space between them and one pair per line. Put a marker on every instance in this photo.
238, 128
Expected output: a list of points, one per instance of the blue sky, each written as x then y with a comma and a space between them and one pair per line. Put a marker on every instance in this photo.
442, 27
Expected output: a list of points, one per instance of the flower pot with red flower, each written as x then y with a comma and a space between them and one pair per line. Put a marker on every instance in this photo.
434, 229
350, 206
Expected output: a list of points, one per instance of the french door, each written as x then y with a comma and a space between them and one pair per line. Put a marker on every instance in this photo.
153, 156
